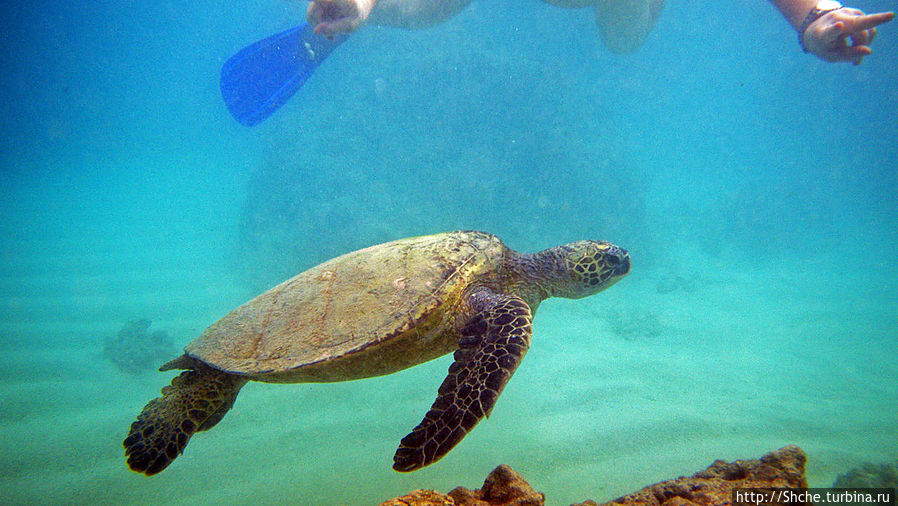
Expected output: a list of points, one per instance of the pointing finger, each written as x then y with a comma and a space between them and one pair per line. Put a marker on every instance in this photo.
856, 24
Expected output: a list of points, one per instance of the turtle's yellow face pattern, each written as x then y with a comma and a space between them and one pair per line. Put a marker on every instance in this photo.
593, 267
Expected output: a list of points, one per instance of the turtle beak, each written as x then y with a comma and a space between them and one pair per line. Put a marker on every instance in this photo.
624, 267
618, 260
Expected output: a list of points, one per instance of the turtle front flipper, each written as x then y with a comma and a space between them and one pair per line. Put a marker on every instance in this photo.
195, 401
492, 345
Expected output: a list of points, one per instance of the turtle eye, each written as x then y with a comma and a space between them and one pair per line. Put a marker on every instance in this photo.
612, 260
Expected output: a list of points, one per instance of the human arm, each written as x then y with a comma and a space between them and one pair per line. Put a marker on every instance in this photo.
842, 34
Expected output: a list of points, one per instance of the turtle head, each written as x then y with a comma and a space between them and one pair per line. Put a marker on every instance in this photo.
588, 267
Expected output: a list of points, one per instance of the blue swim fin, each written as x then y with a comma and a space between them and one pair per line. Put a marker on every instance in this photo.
261, 77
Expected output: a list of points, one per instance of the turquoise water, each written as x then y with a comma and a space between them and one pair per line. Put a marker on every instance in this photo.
754, 186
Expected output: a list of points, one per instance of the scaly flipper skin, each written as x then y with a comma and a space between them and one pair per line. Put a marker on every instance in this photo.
195, 401
492, 345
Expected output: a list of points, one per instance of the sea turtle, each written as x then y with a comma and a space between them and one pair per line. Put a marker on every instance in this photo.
373, 312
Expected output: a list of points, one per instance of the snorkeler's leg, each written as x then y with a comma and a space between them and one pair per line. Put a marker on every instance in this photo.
415, 14
625, 24
571, 4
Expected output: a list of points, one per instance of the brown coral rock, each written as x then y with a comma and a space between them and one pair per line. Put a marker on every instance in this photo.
781, 468
421, 498
503, 487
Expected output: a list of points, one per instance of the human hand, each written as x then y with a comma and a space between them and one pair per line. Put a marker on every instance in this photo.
332, 17
828, 37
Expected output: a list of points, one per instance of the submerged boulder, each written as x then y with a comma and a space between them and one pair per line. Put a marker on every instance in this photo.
134, 349
869, 475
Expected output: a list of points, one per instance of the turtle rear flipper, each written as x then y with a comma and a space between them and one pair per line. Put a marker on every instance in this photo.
492, 345
195, 401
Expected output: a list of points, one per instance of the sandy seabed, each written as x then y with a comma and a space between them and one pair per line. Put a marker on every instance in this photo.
618, 391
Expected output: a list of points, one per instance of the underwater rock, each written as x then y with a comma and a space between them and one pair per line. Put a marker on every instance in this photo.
312, 198
670, 282
635, 324
420, 498
503, 487
133, 349
869, 475
292, 219
781, 468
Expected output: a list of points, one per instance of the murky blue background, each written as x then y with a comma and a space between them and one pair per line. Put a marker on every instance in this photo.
754, 185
